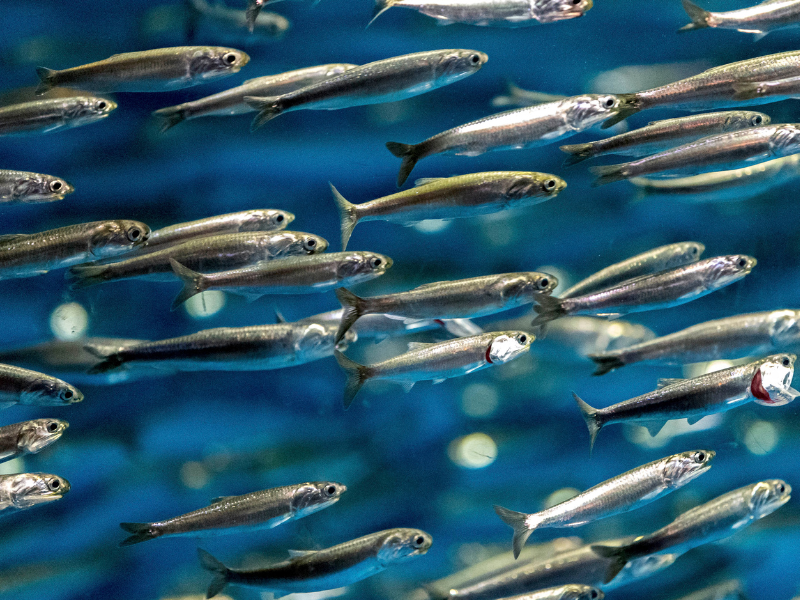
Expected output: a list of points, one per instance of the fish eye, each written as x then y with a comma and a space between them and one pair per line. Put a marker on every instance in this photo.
229, 58
741, 263
522, 338
279, 219
543, 283
375, 262
67, 394
54, 484
550, 184
56, 186
101, 105
593, 594
785, 361
310, 244
701, 456
134, 234
52, 427
609, 102
756, 120
475, 59
576, 2
693, 250
781, 488
330, 490
419, 541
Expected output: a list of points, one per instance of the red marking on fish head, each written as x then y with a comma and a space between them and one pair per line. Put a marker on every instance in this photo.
489, 355
439, 322
757, 389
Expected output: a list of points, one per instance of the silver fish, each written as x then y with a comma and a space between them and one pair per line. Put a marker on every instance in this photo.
271, 25
436, 362
26, 255
462, 298
386, 80
44, 116
709, 522
779, 89
451, 198
511, 130
759, 19
249, 512
725, 590
26, 490
711, 153
20, 187
295, 275
22, 386
658, 259
156, 70
29, 437
767, 381
620, 494
517, 96
571, 591
731, 337
329, 568
650, 292
231, 102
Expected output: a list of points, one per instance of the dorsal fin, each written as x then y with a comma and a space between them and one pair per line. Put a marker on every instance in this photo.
665, 381
427, 180
279, 318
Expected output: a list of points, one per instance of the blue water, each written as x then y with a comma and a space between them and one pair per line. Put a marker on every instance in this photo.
152, 449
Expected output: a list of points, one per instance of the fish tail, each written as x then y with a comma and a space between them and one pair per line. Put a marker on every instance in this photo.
251, 14
141, 533
605, 363
619, 558
348, 215
193, 283
577, 153
46, 77
409, 153
170, 116
747, 91
268, 108
548, 308
357, 375
699, 16
519, 523
629, 104
84, 276
589, 415
353, 306
222, 574
608, 174
110, 359
380, 7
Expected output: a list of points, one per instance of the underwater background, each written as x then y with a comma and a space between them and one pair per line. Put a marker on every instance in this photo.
438, 457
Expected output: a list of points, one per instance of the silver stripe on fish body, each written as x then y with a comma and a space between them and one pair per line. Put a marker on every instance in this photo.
759, 19
26, 490
29, 437
44, 116
21, 187
23, 386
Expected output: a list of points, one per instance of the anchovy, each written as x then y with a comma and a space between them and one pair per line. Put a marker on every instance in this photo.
156, 70
650, 292
26, 255
29, 437
20, 187
44, 116
207, 254
517, 96
296, 275
329, 568
562, 592
386, 80
22, 386
658, 259
511, 130
231, 102
731, 337
715, 152
662, 135
451, 198
709, 522
759, 19
620, 494
268, 24
436, 362
766, 381
26, 490
249, 512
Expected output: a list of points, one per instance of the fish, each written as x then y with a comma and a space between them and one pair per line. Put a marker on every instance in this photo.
249, 512
159, 70
725, 590
725, 150
493, 13
231, 101
658, 259
662, 135
760, 19
766, 381
631, 490
29, 437
329, 568
779, 89
295, 275
385, 80
251, 13
21, 187
26, 490
207, 254
511, 130
271, 25
715, 520
462, 298
664, 289
436, 362
53, 114
517, 96
727, 338
562, 592
23, 386
30, 254
450, 198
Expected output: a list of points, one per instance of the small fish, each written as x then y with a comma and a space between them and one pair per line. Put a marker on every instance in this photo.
650, 292
511, 130
620, 494
231, 102
562, 592
729, 338
658, 259
767, 381
451, 198
781, 89
295, 275
662, 135
436, 362
20, 187
462, 298
329, 568
29, 437
54, 114
386, 80
158, 70
26, 490
249, 512
271, 25
22, 386
759, 19
517, 96
709, 522
711, 153
26, 255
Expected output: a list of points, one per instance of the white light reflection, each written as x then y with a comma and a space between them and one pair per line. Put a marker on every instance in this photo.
473, 451
641, 437
560, 496
760, 437
205, 304
69, 321
194, 475
432, 225
479, 400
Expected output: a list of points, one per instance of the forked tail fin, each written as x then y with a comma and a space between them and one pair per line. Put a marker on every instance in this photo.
519, 523
169, 117
221, 573
381, 6
357, 375
353, 307
608, 174
618, 556
548, 308
605, 363
84, 276
410, 155
698, 16
193, 283
629, 105
589, 415
268, 108
46, 77
577, 153
251, 13
141, 533
348, 215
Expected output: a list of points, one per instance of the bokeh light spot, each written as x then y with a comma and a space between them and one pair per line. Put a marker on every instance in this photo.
69, 321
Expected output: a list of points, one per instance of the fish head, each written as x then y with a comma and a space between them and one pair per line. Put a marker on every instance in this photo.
315, 496
768, 496
111, 238
772, 382
402, 544
362, 266
784, 327
684, 253
452, 65
40, 187
505, 346
87, 109
517, 289
785, 140
38, 434
744, 119
547, 11
588, 110
265, 219
211, 62
680, 469
30, 489
291, 243
727, 269
574, 591
49, 391
534, 185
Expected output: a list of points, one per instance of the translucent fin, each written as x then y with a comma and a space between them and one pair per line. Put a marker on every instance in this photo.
298, 553
698, 16
519, 523
356, 376
410, 155
220, 571
426, 180
589, 415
